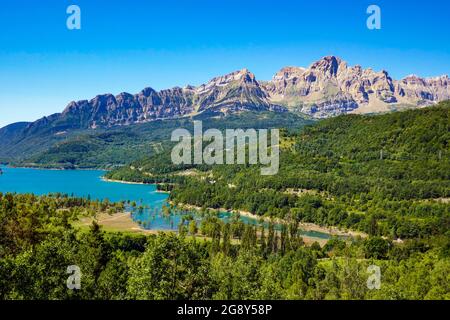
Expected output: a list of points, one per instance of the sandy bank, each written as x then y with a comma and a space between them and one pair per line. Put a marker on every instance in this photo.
304, 226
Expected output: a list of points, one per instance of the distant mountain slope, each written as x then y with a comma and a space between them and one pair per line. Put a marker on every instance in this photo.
411, 145
10, 132
423, 133
109, 147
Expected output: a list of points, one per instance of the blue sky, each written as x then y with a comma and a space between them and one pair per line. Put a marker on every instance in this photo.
128, 45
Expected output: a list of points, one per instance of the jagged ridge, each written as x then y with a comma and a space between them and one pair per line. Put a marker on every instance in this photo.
329, 87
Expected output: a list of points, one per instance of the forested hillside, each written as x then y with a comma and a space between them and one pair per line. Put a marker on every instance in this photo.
59, 147
385, 175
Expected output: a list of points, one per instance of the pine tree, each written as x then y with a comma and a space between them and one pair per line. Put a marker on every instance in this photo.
246, 238
226, 245
373, 226
262, 240
254, 237
270, 238
193, 227
293, 233
275, 243
216, 237
283, 239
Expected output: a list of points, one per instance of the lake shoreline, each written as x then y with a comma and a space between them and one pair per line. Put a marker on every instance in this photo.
334, 231
93, 186
137, 183
125, 182
53, 168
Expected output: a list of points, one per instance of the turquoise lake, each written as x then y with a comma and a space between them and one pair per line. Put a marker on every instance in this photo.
89, 183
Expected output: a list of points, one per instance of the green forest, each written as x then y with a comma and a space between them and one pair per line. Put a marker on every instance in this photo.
107, 148
38, 242
385, 175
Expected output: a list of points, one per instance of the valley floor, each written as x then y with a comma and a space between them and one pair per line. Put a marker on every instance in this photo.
118, 222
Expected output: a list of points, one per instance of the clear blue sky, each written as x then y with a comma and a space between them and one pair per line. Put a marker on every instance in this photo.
128, 45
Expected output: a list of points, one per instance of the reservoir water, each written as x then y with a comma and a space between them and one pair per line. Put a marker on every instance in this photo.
89, 183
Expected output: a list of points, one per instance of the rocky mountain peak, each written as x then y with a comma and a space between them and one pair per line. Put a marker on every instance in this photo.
287, 73
147, 92
328, 65
76, 106
242, 76
246, 76
330, 87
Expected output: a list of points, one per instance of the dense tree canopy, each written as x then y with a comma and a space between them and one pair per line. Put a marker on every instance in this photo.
234, 262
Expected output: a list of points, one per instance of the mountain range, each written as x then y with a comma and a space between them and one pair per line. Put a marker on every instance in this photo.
327, 88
